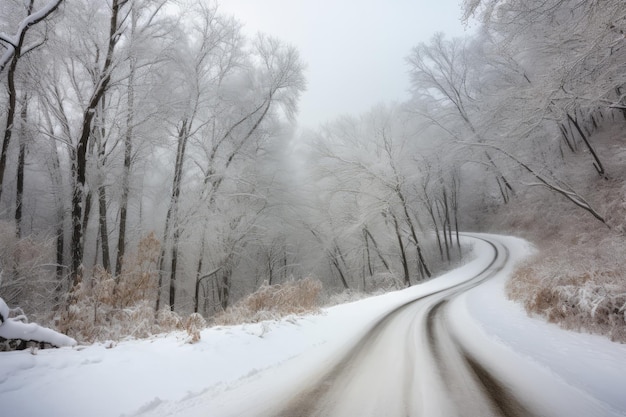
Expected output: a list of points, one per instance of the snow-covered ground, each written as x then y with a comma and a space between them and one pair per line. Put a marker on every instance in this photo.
232, 368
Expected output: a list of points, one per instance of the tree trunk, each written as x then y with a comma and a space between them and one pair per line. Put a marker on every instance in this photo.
224, 289
173, 268
77, 244
336, 259
86, 217
368, 257
171, 218
597, 163
270, 269
198, 276
405, 262
60, 249
440, 214
102, 200
128, 151
455, 206
447, 224
19, 194
369, 235
57, 180
565, 136
104, 230
10, 120
503, 183
430, 208
420, 256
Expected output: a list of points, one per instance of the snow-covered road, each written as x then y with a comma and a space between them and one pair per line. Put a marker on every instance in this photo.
460, 349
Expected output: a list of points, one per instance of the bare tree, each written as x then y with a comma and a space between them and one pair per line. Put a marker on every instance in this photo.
441, 74
80, 163
14, 47
369, 170
238, 131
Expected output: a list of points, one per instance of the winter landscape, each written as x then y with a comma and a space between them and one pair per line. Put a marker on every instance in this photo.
198, 217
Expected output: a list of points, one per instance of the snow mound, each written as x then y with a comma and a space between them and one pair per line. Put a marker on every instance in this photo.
16, 329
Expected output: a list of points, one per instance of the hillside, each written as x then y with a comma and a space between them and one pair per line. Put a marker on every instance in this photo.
577, 276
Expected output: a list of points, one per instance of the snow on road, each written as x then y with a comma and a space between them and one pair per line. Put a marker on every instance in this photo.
233, 368
592, 365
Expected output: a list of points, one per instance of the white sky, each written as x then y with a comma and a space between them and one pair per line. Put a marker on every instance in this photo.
354, 49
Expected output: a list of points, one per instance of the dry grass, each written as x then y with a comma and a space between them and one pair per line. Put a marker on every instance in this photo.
577, 288
578, 277
102, 307
25, 278
193, 325
271, 302
578, 282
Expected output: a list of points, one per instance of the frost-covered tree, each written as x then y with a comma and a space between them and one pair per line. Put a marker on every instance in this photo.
370, 173
445, 91
18, 18
231, 98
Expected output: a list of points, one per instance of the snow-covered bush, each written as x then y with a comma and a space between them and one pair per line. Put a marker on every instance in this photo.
17, 333
580, 287
274, 301
576, 287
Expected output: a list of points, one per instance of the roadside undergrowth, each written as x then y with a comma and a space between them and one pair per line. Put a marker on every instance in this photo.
577, 278
272, 302
580, 287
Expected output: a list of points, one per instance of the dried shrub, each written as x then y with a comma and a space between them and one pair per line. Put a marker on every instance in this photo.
26, 278
104, 307
168, 320
274, 301
580, 287
578, 277
139, 320
139, 277
89, 311
193, 325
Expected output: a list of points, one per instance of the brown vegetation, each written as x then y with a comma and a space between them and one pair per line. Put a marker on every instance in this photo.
103, 307
577, 279
274, 301
580, 287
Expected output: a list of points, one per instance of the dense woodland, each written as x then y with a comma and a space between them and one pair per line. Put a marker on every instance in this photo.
150, 159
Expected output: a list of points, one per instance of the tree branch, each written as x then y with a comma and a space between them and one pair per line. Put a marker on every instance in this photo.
17, 39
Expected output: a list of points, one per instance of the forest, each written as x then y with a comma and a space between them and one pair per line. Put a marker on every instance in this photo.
151, 166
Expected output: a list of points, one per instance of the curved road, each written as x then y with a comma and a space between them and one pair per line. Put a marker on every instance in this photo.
426, 358
426, 371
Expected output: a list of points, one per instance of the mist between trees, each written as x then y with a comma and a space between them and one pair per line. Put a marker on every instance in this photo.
150, 159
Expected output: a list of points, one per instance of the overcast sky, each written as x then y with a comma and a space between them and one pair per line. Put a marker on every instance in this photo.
354, 49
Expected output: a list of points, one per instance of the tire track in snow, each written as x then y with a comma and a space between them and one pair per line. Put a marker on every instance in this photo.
496, 398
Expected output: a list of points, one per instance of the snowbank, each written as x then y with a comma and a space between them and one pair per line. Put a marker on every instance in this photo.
16, 329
